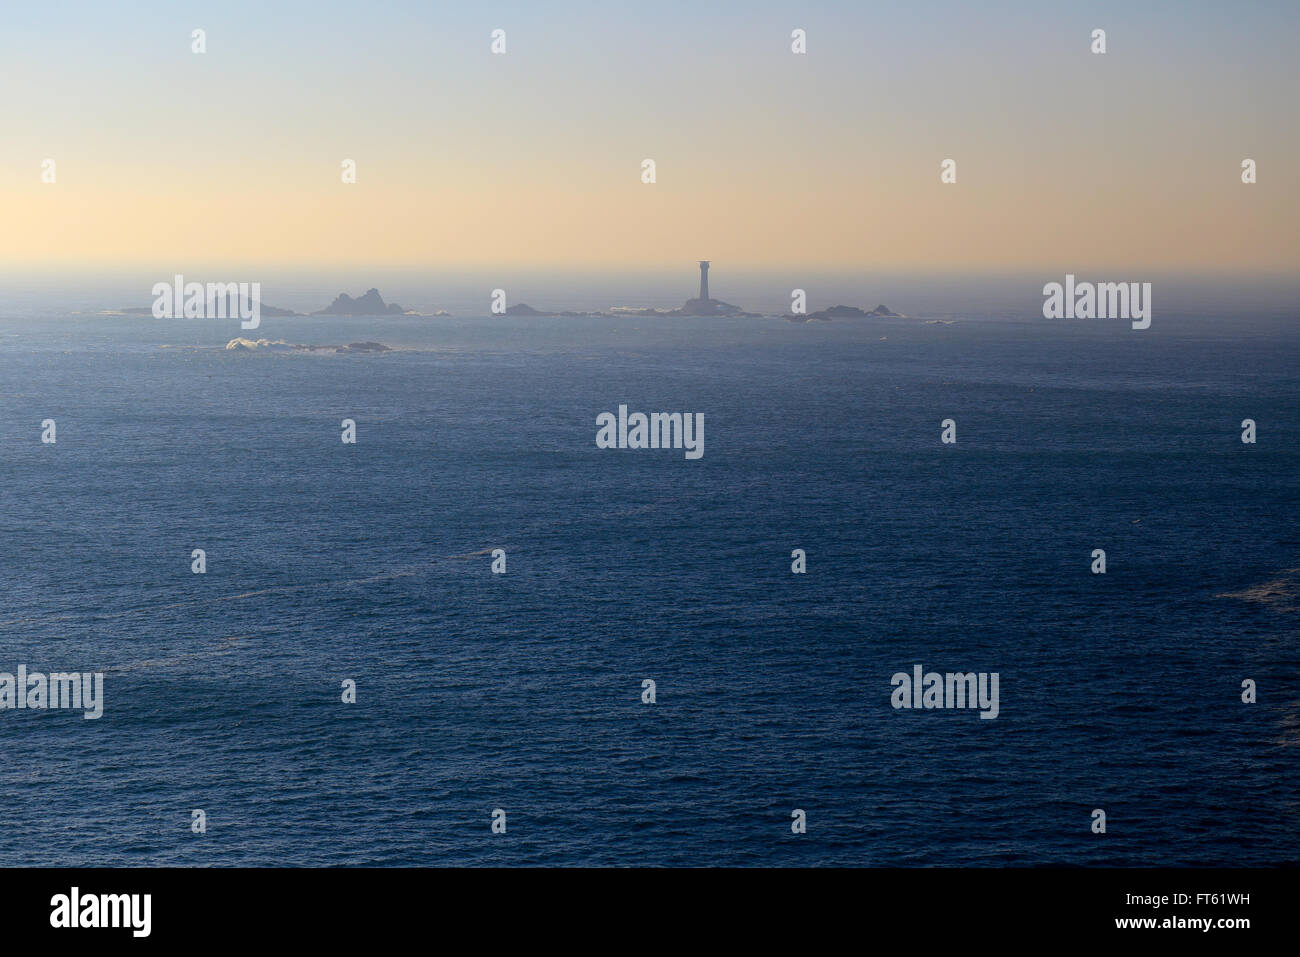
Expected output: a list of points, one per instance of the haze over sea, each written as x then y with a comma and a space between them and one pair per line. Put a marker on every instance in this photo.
522, 691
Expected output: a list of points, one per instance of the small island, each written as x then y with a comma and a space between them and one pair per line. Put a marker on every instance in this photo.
370, 304
262, 310
846, 312
523, 309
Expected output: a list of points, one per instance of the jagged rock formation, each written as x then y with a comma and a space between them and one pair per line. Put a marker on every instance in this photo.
371, 304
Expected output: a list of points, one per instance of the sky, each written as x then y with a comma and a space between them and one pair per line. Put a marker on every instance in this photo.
172, 161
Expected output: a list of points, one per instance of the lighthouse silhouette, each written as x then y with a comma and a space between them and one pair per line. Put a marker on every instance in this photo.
704, 279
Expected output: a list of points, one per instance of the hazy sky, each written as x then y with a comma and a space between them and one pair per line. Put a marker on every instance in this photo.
1066, 160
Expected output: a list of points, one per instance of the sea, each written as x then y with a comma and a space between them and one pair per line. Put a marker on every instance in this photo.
522, 696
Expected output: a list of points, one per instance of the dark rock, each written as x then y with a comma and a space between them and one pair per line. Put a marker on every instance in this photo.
371, 304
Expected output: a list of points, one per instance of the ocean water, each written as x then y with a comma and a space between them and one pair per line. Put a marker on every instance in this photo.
522, 691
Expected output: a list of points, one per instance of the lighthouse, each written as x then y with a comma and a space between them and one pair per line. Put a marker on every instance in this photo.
704, 306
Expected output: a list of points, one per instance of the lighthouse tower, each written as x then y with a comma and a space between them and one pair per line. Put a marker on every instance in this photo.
704, 279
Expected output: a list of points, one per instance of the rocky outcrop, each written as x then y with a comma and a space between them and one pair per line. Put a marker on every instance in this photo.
846, 312
370, 304
241, 344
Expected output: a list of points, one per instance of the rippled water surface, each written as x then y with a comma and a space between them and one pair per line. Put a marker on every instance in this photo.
522, 691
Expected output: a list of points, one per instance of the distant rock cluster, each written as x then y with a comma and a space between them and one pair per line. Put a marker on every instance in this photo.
711, 307
691, 308
263, 310
523, 309
370, 304
845, 312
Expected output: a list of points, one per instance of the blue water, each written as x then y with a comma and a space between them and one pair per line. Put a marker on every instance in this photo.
522, 691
